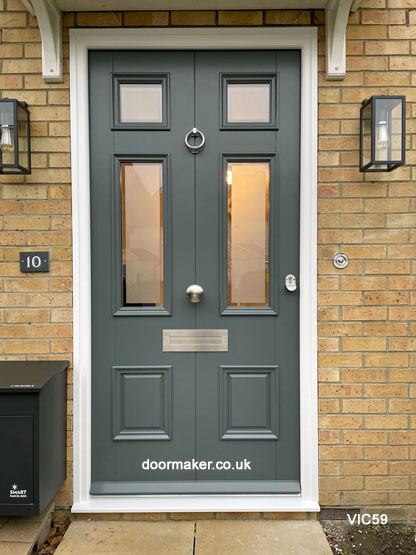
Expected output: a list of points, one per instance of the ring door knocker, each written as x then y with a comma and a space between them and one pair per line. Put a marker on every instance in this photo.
194, 132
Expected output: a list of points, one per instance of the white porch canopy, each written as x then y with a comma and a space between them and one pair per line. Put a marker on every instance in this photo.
48, 13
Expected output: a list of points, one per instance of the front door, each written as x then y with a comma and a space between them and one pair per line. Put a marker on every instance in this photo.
195, 257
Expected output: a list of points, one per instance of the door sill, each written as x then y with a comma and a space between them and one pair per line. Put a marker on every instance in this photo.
195, 503
210, 487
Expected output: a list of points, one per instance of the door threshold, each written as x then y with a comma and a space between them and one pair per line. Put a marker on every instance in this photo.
195, 503
208, 487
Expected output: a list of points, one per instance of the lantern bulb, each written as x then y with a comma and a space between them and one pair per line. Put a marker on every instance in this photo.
382, 135
6, 141
229, 177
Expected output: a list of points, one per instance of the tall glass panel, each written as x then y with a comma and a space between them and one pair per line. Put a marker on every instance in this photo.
396, 119
7, 138
142, 233
382, 133
23, 127
366, 134
248, 233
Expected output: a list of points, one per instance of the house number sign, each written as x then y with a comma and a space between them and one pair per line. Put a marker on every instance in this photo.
34, 261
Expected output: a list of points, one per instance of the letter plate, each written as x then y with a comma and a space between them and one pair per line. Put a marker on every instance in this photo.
195, 341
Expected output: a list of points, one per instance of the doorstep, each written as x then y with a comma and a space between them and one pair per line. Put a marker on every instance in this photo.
19, 534
202, 537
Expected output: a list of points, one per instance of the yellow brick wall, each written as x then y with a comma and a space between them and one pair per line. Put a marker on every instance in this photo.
366, 334
367, 312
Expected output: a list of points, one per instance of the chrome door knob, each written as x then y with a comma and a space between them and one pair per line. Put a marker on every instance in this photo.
195, 293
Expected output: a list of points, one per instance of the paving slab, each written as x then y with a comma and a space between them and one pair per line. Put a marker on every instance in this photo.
15, 548
283, 537
128, 538
18, 531
19, 534
230, 537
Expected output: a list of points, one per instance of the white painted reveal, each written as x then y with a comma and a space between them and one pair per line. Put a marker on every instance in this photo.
82, 40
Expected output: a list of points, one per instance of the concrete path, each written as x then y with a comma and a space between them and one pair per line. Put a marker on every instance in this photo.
202, 537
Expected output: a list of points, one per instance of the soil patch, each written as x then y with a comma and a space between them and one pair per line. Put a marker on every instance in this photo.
390, 539
60, 524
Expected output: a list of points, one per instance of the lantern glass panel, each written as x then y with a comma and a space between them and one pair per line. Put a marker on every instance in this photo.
23, 136
7, 133
396, 116
366, 133
388, 130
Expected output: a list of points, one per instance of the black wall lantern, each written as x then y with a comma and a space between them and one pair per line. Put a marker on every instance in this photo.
383, 133
14, 137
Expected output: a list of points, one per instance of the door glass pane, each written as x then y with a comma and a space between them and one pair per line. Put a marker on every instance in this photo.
248, 102
248, 233
141, 102
142, 233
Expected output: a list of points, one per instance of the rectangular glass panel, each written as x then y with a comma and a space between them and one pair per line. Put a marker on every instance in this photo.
366, 134
23, 137
396, 132
7, 137
248, 102
141, 102
382, 132
248, 233
142, 233
388, 132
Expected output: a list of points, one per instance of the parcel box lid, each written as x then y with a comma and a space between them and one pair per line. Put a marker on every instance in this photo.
27, 376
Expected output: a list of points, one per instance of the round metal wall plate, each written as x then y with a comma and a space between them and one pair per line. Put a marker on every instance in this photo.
340, 260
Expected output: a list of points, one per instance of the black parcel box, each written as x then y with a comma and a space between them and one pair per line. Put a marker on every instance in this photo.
32, 434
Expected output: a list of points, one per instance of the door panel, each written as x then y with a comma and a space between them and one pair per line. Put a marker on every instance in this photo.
164, 218
134, 337
255, 339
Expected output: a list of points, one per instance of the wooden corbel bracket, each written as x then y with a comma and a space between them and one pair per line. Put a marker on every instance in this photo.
49, 19
336, 19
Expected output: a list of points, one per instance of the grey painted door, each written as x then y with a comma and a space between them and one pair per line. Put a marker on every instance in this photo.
219, 417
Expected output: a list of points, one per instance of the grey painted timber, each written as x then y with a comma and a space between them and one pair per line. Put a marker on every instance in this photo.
152, 403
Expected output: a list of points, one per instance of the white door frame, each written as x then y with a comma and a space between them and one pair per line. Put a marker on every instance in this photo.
82, 40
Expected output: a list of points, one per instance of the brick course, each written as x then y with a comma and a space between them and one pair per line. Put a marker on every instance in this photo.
366, 311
